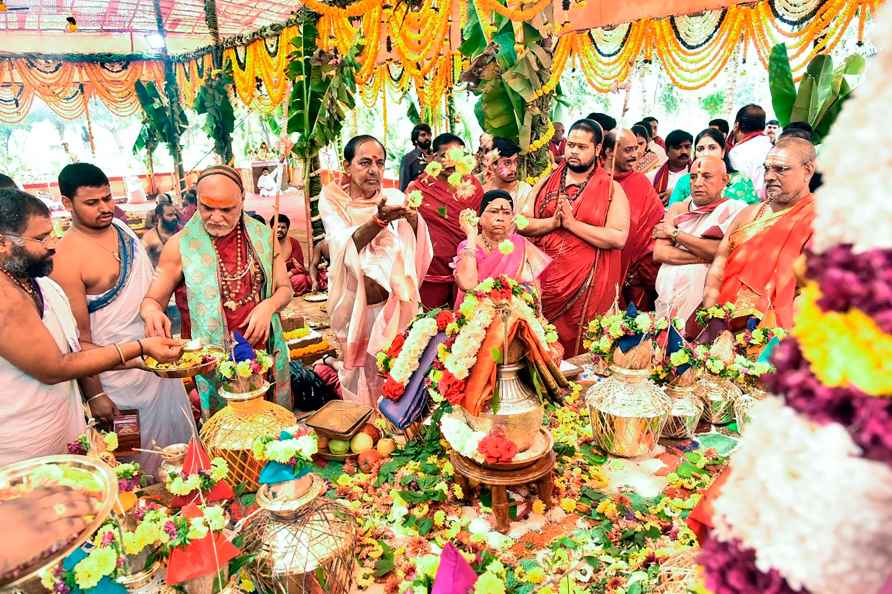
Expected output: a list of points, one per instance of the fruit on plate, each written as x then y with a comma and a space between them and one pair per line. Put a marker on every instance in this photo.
386, 447
372, 432
322, 440
338, 446
361, 442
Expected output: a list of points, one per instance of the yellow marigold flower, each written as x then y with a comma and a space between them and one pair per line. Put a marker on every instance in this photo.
457, 492
568, 505
536, 575
439, 518
538, 507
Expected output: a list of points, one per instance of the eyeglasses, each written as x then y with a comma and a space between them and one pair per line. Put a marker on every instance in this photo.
45, 242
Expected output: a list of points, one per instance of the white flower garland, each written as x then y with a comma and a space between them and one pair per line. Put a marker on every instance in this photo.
461, 437
463, 355
853, 204
802, 499
406, 362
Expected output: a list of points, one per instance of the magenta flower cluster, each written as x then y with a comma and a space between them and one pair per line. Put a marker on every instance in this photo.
731, 569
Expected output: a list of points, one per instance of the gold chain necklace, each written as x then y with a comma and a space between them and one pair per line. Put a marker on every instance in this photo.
231, 284
30, 288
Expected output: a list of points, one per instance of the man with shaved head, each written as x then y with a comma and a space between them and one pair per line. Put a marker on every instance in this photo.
687, 240
754, 265
620, 155
226, 280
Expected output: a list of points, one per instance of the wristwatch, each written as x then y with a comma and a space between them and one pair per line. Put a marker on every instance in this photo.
675, 235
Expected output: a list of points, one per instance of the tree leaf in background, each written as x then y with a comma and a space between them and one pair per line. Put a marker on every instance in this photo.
780, 83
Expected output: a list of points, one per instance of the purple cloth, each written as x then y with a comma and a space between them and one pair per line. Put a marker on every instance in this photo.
455, 575
411, 406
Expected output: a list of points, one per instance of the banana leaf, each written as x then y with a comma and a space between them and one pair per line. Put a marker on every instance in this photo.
474, 41
213, 101
822, 126
780, 81
806, 100
821, 70
323, 88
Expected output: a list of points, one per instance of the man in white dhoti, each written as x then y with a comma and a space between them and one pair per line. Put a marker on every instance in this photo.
380, 251
41, 409
106, 273
688, 238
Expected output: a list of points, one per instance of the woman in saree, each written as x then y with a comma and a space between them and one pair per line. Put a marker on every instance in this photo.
493, 247
711, 142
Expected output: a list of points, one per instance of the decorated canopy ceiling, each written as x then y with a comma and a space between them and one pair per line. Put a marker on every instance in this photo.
406, 44
183, 17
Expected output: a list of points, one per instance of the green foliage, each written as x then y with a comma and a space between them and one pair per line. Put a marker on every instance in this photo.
323, 87
505, 75
669, 98
158, 125
821, 94
213, 99
713, 104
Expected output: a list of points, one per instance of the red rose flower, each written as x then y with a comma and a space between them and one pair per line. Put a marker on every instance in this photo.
444, 318
396, 346
502, 293
451, 388
392, 389
496, 448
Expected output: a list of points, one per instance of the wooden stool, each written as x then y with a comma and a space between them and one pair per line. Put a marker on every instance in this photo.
540, 472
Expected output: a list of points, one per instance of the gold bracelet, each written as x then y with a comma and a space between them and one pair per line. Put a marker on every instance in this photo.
120, 354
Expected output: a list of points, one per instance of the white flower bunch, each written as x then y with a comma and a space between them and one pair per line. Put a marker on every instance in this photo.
284, 451
800, 496
470, 337
417, 340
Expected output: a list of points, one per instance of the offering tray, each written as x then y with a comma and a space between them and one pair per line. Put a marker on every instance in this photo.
190, 363
93, 480
315, 297
543, 443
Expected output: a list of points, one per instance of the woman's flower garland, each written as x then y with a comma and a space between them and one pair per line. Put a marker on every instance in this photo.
401, 360
180, 483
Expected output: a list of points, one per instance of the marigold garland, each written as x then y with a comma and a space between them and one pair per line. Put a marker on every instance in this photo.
844, 349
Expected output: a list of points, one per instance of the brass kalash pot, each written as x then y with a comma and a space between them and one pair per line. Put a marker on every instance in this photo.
514, 407
518, 411
628, 412
300, 542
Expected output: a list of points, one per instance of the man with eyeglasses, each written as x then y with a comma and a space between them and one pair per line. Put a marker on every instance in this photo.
41, 407
106, 272
754, 265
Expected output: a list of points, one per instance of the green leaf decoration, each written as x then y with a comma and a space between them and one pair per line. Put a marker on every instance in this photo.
442, 212
780, 82
213, 101
323, 87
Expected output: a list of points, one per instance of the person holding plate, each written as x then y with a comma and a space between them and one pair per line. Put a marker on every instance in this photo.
496, 248
41, 406
380, 251
221, 268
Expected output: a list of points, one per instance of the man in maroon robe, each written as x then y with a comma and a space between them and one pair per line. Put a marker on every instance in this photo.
291, 251
440, 207
620, 155
581, 221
